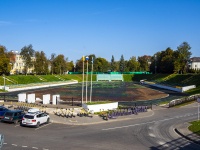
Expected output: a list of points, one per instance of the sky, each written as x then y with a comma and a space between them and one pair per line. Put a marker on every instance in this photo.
106, 28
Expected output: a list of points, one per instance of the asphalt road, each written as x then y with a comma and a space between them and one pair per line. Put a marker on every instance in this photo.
151, 133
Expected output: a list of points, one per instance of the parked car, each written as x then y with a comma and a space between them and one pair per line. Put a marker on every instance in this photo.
13, 116
2, 111
1, 140
35, 118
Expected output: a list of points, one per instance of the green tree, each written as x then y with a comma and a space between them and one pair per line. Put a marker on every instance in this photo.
144, 62
5, 66
113, 64
183, 57
122, 64
133, 64
101, 65
166, 64
27, 52
59, 64
41, 63
53, 55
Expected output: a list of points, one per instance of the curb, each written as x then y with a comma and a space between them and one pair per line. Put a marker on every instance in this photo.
186, 137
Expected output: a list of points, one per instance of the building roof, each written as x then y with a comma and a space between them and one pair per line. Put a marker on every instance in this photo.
195, 59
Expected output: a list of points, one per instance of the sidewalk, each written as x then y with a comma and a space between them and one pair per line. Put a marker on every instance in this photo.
96, 119
182, 130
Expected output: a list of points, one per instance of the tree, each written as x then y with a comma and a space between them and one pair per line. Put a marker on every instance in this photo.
59, 64
101, 65
166, 64
27, 52
53, 55
183, 57
133, 64
5, 66
113, 64
122, 64
41, 63
144, 62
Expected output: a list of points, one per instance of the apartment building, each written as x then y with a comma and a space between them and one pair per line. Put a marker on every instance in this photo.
18, 64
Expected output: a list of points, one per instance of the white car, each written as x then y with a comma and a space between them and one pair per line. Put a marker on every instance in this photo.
34, 117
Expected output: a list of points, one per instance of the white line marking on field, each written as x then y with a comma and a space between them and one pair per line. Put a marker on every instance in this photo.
24, 146
43, 126
34, 148
14, 144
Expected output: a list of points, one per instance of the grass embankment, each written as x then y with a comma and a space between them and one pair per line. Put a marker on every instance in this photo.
195, 127
176, 80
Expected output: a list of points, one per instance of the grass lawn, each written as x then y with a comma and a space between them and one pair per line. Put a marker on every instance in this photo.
195, 127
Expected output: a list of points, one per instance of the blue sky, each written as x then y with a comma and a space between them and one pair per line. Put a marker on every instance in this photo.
101, 27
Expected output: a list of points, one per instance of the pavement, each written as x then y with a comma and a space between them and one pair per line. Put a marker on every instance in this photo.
181, 129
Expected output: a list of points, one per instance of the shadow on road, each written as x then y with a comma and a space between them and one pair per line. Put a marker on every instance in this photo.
180, 143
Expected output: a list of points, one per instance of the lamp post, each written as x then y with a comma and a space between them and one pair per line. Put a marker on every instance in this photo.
83, 59
91, 82
155, 63
4, 82
86, 58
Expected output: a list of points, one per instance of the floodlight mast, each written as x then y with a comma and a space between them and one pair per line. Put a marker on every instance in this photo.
86, 58
83, 59
91, 82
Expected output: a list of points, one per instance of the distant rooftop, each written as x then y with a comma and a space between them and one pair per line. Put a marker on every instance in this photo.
195, 59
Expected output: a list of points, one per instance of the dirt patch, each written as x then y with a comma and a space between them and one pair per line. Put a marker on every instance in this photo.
104, 91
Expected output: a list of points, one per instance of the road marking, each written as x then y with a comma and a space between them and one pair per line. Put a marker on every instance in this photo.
163, 144
152, 135
156, 121
45, 149
5, 143
73, 121
43, 126
34, 148
14, 144
17, 125
24, 146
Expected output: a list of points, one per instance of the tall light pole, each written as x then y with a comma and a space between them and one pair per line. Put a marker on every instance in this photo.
155, 63
86, 58
4, 82
83, 59
91, 82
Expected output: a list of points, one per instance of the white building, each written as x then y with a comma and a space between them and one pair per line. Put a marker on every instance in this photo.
18, 64
194, 63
